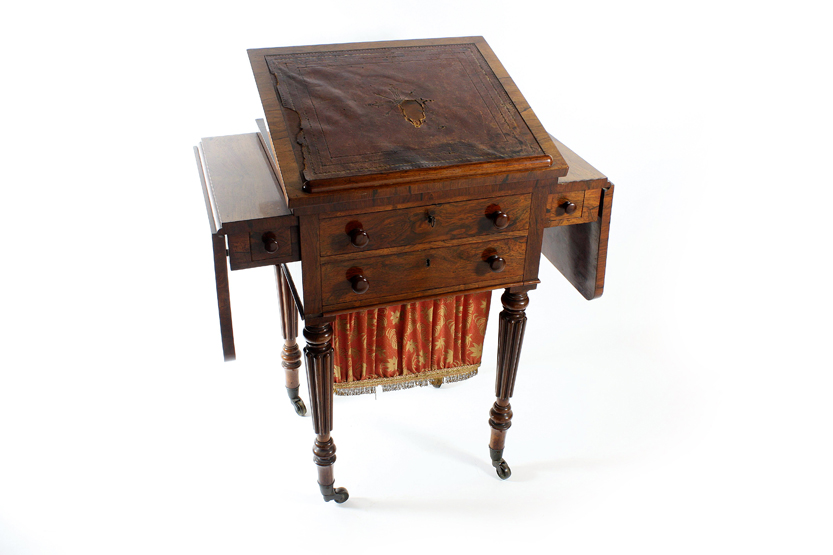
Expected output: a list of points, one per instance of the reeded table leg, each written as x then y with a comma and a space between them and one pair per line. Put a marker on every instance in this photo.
510, 340
291, 353
319, 358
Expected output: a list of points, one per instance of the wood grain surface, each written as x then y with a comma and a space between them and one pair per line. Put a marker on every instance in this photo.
420, 270
580, 170
311, 267
580, 251
424, 224
587, 207
578, 246
240, 179
218, 243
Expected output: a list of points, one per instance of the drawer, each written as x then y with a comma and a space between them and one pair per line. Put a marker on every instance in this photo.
423, 224
269, 244
572, 207
412, 272
266, 247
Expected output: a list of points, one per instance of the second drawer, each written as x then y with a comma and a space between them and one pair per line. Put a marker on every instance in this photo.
348, 282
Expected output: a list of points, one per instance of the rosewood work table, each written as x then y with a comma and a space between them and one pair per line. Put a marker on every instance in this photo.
397, 173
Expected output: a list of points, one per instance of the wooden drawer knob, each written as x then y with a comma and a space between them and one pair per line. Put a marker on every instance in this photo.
496, 263
359, 284
569, 207
358, 237
500, 219
270, 242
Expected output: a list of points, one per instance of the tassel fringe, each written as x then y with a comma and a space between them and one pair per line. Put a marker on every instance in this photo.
395, 383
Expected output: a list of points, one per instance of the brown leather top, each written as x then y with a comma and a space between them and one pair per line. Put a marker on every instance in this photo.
360, 113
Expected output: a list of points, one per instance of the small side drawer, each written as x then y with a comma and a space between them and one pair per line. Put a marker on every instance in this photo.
350, 234
263, 248
572, 207
355, 281
270, 244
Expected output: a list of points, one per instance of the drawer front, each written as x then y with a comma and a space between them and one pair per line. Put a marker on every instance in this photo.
266, 245
411, 273
423, 224
262, 248
573, 207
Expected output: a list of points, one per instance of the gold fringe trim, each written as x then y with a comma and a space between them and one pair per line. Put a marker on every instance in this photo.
395, 383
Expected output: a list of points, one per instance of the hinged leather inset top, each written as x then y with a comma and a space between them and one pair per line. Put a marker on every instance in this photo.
356, 114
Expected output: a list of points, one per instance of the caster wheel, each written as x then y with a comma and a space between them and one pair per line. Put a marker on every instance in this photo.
300, 407
503, 470
297, 402
339, 495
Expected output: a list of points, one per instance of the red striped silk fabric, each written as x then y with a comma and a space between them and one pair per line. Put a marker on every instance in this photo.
410, 345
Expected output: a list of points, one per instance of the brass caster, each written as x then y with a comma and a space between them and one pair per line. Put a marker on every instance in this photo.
297, 402
503, 470
339, 495
501, 467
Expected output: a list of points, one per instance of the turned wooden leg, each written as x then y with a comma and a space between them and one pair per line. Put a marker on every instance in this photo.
319, 358
291, 353
510, 339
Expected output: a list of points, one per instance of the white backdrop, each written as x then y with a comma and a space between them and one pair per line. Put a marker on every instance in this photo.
686, 411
